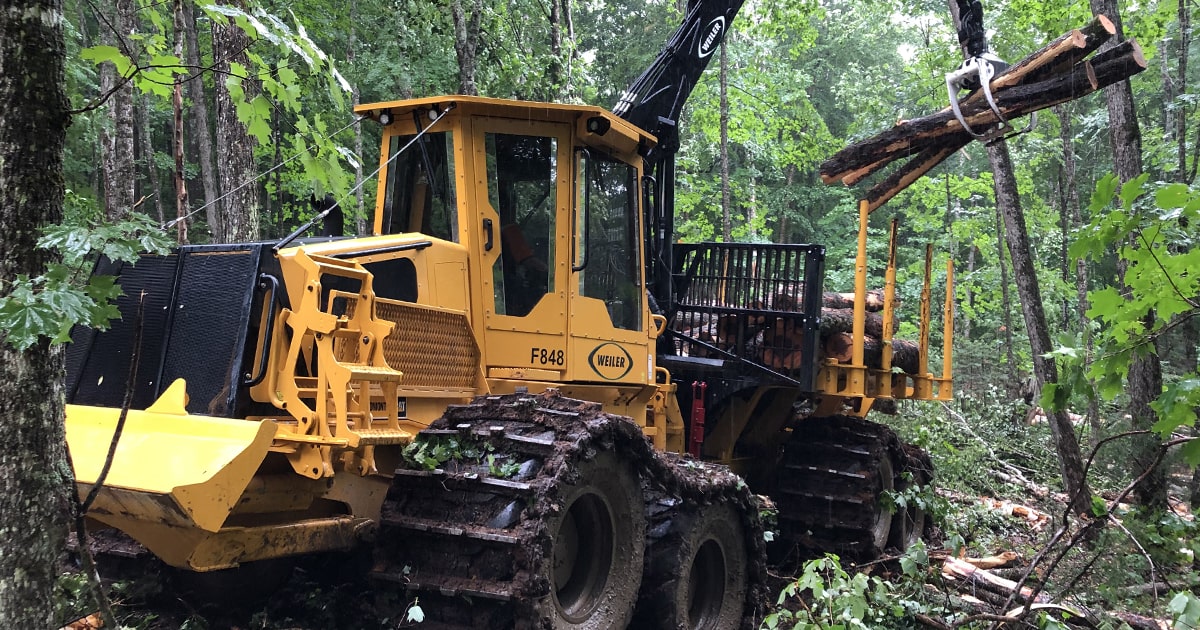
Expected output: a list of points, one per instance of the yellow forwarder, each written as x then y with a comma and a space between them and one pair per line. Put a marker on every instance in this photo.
494, 390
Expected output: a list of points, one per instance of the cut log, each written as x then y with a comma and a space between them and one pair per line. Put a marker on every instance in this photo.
905, 354
1056, 58
986, 581
841, 320
1094, 34
940, 129
874, 300
904, 177
1138, 622
991, 562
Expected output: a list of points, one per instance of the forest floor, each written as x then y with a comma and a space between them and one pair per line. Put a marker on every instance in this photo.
995, 508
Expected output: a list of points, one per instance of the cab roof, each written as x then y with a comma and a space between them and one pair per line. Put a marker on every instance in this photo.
623, 132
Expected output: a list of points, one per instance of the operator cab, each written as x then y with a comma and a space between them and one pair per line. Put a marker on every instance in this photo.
546, 201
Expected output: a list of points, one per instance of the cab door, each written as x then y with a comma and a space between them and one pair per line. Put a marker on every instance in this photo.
609, 312
521, 184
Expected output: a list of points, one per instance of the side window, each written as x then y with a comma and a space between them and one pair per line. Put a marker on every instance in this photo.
521, 187
607, 236
420, 187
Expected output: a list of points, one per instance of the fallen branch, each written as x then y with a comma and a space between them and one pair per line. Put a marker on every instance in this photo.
988, 582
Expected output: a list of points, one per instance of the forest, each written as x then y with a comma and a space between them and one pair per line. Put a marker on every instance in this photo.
1067, 461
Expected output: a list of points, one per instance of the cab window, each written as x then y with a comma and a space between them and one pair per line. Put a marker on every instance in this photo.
420, 187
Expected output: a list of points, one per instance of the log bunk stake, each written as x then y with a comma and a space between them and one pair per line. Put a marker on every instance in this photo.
1058, 73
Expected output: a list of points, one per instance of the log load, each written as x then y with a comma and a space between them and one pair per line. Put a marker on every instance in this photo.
841, 320
1058, 73
905, 354
874, 300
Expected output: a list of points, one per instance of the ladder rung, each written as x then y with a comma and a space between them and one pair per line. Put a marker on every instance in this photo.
383, 436
375, 374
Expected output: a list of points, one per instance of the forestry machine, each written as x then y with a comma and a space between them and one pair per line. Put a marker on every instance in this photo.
520, 391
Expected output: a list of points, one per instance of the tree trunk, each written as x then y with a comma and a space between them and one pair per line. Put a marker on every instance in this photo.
35, 482
466, 42
177, 146
201, 132
1181, 113
361, 227
555, 69
570, 91
1145, 371
1045, 371
1005, 301
240, 206
1071, 185
726, 194
152, 188
116, 144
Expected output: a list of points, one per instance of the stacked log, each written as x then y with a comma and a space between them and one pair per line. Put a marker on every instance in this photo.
1058, 73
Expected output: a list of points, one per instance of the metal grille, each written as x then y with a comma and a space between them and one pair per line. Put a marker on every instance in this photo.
434, 349
759, 303
98, 362
207, 336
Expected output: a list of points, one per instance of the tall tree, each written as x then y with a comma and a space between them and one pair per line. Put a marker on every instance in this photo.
34, 474
116, 140
467, 15
1145, 370
201, 132
1070, 458
1008, 202
726, 193
240, 203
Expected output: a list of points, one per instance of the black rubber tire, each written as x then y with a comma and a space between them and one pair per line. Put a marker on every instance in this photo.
598, 538
833, 473
909, 524
886, 521
696, 573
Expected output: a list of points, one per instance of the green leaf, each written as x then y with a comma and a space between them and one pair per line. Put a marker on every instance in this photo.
101, 54
1191, 452
1133, 189
1172, 196
1106, 189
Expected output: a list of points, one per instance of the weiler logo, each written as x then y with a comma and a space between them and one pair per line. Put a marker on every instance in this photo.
610, 361
711, 37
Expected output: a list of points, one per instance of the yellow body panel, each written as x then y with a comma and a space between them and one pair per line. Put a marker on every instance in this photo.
153, 477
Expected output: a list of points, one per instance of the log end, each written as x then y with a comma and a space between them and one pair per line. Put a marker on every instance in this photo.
1106, 24
1136, 54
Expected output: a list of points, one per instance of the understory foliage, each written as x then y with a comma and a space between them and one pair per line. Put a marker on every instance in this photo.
984, 452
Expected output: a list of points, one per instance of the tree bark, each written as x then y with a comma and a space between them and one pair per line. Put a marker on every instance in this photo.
1005, 301
151, 188
201, 132
116, 144
1185, 36
1145, 371
177, 146
35, 478
1071, 183
1070, 458
360, 218
240, 206
466, 42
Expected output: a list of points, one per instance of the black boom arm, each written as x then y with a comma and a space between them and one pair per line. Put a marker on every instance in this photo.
656, 98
